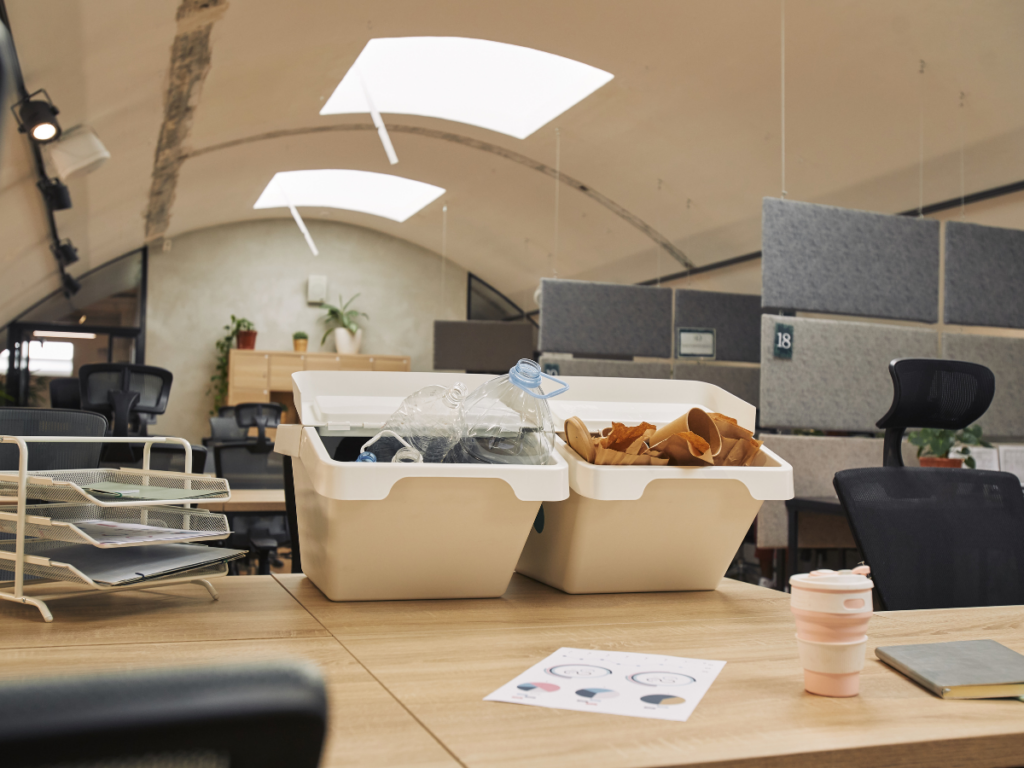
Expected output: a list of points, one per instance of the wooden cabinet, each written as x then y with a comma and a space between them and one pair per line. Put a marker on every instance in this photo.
262, 377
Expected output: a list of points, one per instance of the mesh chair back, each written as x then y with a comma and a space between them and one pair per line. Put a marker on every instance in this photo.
263, 416
938, 538
246, 465
253, 716
65, 393
938, 394
99, 380
25, 422
935, 394
224, 430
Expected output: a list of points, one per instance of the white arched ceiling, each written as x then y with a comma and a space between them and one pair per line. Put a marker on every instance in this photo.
685, 139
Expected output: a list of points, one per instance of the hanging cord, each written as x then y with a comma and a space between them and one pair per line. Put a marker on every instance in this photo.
661, 228
963, 205
444, 256
782, 47
558, 186
920, 144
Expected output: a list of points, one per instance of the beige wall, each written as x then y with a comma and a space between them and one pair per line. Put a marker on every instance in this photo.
258, 270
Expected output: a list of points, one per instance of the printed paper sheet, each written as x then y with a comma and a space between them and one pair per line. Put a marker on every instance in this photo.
613, 682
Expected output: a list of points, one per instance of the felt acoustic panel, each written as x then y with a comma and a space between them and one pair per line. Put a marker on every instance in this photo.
622, 369
838, 375
736, 318
605, 320
1004, 419
984, 275
742, 381
481, 346
818, 258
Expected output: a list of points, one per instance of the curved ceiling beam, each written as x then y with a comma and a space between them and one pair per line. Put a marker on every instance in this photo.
484, 146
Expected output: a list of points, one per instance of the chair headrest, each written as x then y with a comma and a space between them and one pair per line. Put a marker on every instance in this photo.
937, 394
263, 416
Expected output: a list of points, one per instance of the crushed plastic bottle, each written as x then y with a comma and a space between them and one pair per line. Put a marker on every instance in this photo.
430, 420
508, 420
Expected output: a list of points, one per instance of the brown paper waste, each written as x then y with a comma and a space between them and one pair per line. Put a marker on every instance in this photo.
696, 439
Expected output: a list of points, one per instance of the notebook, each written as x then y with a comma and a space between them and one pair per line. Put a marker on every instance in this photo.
964, 669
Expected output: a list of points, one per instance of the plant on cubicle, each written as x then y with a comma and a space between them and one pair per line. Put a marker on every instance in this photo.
935, 445
243, 330
300, 339
348, 336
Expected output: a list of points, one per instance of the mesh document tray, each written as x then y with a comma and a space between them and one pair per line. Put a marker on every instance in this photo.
938, 538
66, 486
57, 522
50, 569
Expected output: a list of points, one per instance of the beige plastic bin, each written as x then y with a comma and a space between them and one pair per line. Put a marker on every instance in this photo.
647, 529
403, 531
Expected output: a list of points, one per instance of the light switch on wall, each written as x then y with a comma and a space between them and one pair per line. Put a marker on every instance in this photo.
316, 289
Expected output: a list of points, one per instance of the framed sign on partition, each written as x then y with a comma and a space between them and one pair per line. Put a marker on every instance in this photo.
696, 343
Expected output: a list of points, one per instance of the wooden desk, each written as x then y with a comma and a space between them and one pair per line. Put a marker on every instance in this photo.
407, 679
248, 500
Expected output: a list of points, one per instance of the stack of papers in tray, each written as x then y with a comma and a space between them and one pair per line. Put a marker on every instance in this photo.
130, 492
108, 533
113, 568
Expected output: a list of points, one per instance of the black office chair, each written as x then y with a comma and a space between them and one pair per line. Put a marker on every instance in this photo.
25, 422
252, 464
937, 538
65, 392
123, 393
253, 716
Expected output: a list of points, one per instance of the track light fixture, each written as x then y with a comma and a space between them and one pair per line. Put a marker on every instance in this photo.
65, 253
70, 285
37, 117
56, 194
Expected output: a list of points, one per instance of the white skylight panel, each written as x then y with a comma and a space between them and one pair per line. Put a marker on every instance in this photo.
379, 194
505, 88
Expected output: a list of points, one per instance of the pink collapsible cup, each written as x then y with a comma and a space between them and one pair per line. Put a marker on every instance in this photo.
832, 610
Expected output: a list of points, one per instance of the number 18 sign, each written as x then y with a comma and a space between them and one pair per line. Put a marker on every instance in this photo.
784, 341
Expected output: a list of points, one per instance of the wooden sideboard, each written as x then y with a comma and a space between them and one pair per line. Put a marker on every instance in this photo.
255, 376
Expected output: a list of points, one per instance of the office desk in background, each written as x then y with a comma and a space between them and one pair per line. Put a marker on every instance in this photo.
406, 679
249, 500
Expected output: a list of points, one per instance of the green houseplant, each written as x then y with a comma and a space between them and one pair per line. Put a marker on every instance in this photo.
300, 340
219, 380
934, 445
344, 323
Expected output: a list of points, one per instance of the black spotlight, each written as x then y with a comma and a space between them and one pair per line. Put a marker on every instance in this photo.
65, 253
56, 194
37, 118
71, 286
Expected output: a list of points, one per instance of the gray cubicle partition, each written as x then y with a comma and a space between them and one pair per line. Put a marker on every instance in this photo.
818, 258
742, 381
838, 374
605, 320
736, 318
984, 275
559, 364
1004, 419
481, 346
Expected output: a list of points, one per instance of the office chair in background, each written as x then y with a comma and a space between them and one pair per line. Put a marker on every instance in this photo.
937, 538
123, 392
250, 463
253, 716
65, 392
57, 422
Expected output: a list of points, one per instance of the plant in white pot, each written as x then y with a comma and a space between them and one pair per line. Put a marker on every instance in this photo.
348, 336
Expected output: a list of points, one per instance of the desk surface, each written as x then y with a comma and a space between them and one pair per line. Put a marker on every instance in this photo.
251, 500
407, 679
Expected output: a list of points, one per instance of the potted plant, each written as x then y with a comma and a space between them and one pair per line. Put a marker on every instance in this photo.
219, 381
245, 332
300, 341
348, 336
935, 445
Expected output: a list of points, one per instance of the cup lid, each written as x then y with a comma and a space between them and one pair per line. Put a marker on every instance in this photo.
834, 581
